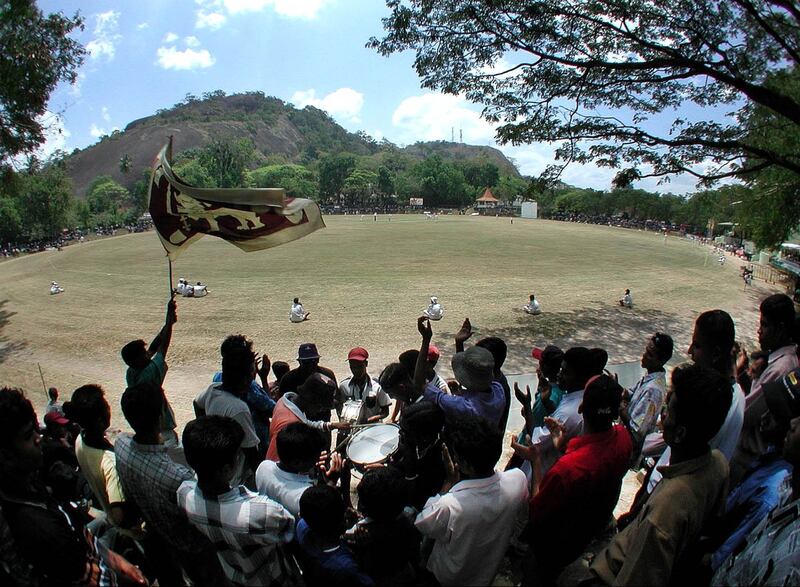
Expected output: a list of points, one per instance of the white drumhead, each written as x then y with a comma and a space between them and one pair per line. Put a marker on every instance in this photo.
374, 444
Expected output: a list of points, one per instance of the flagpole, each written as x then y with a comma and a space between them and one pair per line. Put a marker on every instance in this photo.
171, 289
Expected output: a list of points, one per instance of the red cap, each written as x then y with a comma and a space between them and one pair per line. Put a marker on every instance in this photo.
55, 419
358, 354
536, 353
433, 353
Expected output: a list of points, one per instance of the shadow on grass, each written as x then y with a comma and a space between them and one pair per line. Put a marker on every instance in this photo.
625, 331
7, 347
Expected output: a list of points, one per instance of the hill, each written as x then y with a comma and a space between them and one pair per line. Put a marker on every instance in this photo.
274, 126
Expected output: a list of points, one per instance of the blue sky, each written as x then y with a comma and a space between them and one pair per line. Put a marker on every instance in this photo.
148, 54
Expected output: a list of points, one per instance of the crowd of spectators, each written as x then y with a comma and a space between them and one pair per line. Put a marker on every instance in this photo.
623, 221
68, 237
256, 490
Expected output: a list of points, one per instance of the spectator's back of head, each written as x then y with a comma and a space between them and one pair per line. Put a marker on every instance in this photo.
88, 408
550, 359
280, 368
298, 447
421, 422
322, 508
577, 366
135, 354
238, 367
395, 379
408, 359
498, 348
475, 446
317, 392
777, 322
381, 494
142, 406
713, 340
601, 400
16, 412
235, 341
211, 443
702, 398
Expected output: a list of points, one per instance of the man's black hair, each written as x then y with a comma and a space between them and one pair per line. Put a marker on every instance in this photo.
237, 368
601, 401
475, 442
235, 341
322, 507
423, 419
663, 345
408, 359
16, 412
142, 406
778, 309
133, 351
393, 375
716, 329
381, 494
496, 346
703, 397
86, 406
280, 368
298, 443
210, 443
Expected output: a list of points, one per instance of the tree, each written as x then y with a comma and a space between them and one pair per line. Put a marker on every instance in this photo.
10, 220
386, 180
298, 181
104, 195
227, 160
481, 174
45, 201
441, 183
359, 187
333, 171
36, 53
125, 163
194, 173
596, 74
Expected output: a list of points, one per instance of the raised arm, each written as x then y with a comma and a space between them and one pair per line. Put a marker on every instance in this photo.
164, 337
463, 334
424, 328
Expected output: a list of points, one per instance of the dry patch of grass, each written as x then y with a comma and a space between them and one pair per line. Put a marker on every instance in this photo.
364, 284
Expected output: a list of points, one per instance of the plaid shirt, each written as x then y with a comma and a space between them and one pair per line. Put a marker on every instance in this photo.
151, 479
246, 529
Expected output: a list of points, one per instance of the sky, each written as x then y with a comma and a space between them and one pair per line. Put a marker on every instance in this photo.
145, 55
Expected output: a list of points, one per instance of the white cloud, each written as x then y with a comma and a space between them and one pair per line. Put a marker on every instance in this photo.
170, 38
75, 89
209, 20
105, 36
288, 8
171, 58
143, 25
98, 131
55, 135
437, 117
104, 113
213, 13
191, 41
344, 103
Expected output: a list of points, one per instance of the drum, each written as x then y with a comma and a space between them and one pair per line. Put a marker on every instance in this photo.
351, 410
373, 445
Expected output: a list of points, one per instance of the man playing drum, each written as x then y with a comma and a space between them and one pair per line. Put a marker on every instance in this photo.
360, 397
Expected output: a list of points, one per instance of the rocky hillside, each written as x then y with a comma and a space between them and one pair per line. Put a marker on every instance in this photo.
274, 126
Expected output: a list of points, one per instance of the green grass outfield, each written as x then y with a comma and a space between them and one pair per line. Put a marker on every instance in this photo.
364, 283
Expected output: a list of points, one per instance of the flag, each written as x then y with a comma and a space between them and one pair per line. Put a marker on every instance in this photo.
250, 218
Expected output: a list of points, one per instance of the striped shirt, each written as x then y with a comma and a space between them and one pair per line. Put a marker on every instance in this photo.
247, 530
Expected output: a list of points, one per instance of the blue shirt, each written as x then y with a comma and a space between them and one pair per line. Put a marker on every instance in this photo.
331, 566
766, 486
261, 408
538, 410
487, 405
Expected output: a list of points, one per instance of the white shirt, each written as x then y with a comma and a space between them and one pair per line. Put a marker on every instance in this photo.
627, 300
567, 414
726, 439
297, 314
434, 311
371, 389
533, 307
472, 526
282, 486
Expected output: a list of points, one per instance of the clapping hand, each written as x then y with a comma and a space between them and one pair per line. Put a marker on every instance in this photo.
558, 433
526, 451
464, 332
